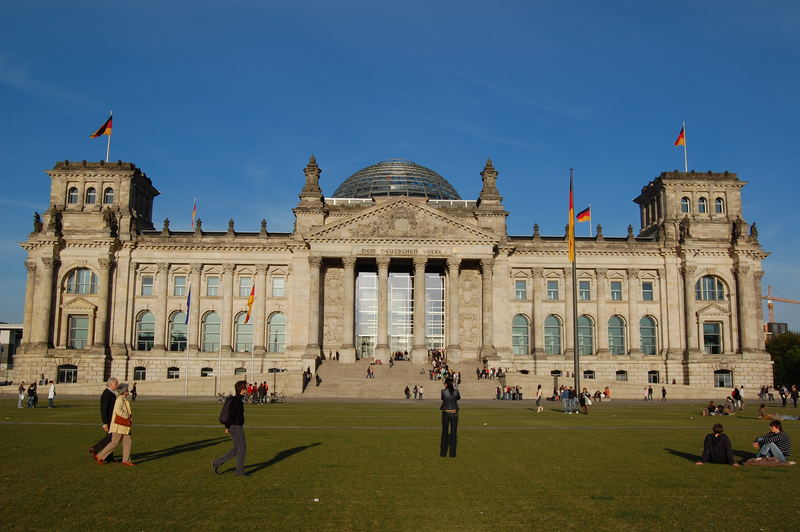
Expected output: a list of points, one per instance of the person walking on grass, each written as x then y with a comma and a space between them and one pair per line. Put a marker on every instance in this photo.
232, 416
107, 401
539, 407
663, 393
717, 448
20, 394
449, 407
119, 429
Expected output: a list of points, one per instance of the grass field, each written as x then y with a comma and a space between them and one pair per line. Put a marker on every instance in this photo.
375, 466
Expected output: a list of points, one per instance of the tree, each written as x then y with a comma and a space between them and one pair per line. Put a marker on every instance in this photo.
785, 351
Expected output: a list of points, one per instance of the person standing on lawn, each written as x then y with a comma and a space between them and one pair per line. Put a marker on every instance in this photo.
663, 393
234, 425
107, 400
119, 429
21, 394
539, 407
450, 397
51, 395
717, 448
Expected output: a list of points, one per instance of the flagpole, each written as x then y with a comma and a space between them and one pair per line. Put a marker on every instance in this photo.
108, 146
219, 369
590, 220
573, 258
685, 157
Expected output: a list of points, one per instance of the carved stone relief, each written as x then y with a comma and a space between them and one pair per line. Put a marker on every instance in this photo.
469, 308
333, 306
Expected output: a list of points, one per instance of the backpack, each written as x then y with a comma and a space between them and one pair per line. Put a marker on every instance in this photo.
225, 413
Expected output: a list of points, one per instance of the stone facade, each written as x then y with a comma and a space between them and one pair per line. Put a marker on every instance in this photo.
107, 291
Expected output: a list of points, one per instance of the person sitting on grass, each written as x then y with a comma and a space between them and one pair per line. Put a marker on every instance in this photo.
717, 448
775, 444
710, 410
763, 414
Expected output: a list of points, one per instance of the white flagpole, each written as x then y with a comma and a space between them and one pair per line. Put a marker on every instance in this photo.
685, 157
590, 220
108, 146
219, 369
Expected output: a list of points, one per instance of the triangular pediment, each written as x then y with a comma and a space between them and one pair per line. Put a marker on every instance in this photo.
401, 219
79, 303
713, 311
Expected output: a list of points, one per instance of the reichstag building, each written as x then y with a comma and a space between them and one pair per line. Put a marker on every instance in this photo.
393, 261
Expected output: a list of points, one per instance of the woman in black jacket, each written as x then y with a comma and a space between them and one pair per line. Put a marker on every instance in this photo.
234, 425
449, 408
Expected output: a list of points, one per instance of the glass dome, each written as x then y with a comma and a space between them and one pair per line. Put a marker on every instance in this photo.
396, 177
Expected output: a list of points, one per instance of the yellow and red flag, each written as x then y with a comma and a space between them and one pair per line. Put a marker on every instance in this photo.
250, 303
571, 230
194, 212
585, 215
105, 129
681, 140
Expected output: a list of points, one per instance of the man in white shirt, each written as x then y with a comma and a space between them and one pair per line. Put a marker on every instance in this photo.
51, 394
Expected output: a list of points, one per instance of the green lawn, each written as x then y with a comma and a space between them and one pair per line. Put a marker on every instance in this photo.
376, 467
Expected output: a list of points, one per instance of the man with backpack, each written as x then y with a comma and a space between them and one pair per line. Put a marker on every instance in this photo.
232, 416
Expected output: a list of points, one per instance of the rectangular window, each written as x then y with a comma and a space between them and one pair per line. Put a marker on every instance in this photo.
173, 373
245, 284
520, 290
278, 287
584, 290
147, 285
212, 285
647, 290
552, 290
139, 374
78, 332
712, 338
179, 285
616, 290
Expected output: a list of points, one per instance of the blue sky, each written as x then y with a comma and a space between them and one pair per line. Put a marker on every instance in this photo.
225, 101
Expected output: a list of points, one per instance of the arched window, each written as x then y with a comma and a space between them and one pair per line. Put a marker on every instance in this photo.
723, 378
588, 374
552, 335
652, 377
240, 371
210, 334
91, 195
647, 335
702, 205
67, 373
719, 206
519, 335
145, 331
177, 331
621, 376
139, 373
108, 195
207, 372
72, 195
616, 335
82, 281
173, 372
709, 288
243, 334
685, 205
276, 335
585, 335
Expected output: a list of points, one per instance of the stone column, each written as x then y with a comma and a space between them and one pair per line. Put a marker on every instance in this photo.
226, 338
348, 352
602, 298
382, 348
692, 345
193, 331
314, 273
634, 294
103, 297
30, 287
419, 353
259, 316
451, 310
44, 302
538, 293
487, 348
161, 317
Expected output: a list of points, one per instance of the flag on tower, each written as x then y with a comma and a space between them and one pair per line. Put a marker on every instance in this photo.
250, 303
105, 129
194, 212
681, 140
585, 215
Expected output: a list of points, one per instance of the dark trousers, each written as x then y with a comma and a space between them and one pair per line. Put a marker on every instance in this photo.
449, 421
100, 445
239, 449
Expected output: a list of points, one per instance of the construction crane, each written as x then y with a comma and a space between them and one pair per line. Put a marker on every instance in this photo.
770, 298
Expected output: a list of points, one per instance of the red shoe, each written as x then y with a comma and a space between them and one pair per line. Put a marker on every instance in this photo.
99, 460
128, 463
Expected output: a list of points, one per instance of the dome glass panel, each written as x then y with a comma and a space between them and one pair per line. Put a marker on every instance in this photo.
396, 177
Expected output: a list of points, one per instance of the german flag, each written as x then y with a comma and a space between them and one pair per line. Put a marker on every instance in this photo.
250, 303
585, 215
681, 140
105, 129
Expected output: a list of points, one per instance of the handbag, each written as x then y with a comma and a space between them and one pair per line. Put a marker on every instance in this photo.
122, 421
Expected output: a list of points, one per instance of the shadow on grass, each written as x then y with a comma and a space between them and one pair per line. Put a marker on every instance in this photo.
282, 455
688, 456
177, 449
